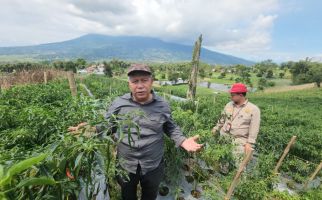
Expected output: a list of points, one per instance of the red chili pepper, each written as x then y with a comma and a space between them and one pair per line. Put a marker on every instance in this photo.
68, 174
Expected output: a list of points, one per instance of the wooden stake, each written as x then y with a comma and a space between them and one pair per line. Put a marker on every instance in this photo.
5, 84
191, 93
45, 77
32, 77
313, 175
237, 176
286, 150
72, 84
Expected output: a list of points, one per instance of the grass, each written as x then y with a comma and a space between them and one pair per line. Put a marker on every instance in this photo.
20, 58
181, 90
282, 82
230, 79
280, 89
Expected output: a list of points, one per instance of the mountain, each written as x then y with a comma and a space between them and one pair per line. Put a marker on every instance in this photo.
316, 59
135, 48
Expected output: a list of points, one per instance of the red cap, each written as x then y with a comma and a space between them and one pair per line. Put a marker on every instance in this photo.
238, 88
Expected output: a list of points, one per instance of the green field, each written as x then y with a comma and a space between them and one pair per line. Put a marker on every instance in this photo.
230, 79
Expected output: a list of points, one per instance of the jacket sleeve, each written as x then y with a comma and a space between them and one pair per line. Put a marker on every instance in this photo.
109, 125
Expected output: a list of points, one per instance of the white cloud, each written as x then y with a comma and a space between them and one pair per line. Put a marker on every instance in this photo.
256, 38
241, 27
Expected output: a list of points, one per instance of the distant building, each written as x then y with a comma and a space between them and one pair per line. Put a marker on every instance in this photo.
82, 71
93, 69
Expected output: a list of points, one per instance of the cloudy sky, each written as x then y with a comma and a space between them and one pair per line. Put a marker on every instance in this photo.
252, 29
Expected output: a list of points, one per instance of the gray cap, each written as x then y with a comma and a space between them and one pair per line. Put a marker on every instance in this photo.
136, 67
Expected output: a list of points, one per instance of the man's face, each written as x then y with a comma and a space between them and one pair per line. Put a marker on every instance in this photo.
236, 97
140, 86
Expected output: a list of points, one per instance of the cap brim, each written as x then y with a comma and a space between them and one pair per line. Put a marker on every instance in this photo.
231, 91
138, 72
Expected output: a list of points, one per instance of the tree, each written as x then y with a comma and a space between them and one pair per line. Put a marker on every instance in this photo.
107, 69
262, 83
286, 65
70, 66
270, 73
270, 83
300, 72
306, 71
202, 73
173, 76
118, 66
81, 63
66, 65
15, 67
185, 75
266, 68
240, 69
315, 73
259, 73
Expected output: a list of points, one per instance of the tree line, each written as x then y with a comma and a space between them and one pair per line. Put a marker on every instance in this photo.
303, 71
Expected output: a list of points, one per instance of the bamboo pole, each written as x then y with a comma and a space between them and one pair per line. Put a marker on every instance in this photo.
72, 84
238, 174
45, 77
319, 167
286, 150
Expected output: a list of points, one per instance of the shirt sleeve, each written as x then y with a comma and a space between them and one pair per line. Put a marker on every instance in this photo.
172, 129
254, 126
109, 125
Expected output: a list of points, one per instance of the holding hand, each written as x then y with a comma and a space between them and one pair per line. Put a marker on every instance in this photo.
248, 148
75, 128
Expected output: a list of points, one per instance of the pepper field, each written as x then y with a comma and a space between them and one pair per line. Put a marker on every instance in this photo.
40, 159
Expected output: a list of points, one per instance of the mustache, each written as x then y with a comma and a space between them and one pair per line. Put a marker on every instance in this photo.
141, 91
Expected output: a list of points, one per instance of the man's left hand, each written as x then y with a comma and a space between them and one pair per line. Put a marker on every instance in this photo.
248, 148
191, 145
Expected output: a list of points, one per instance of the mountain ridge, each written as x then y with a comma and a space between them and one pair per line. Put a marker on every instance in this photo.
135, 48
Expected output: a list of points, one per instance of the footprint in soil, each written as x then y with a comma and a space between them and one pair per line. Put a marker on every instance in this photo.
189, 179
196, 194
164, 191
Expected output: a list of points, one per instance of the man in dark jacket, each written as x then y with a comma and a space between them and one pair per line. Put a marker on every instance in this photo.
142, 156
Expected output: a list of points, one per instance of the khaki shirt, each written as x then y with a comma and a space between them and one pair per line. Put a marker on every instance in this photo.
240, 122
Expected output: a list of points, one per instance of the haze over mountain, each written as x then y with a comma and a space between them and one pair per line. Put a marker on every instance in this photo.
135, 48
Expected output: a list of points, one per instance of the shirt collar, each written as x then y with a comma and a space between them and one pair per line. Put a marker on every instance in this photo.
130, 97
242, 104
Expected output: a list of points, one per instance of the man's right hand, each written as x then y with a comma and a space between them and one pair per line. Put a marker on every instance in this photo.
191, 145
